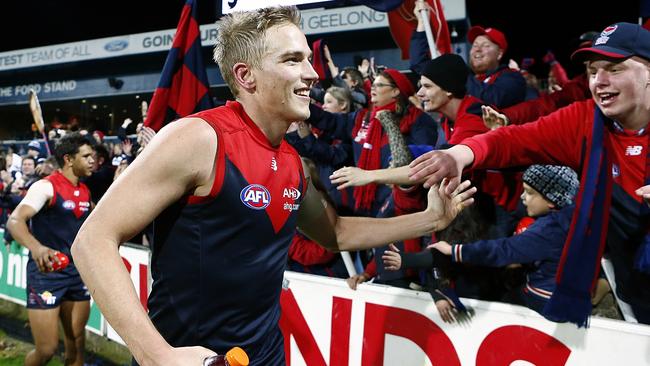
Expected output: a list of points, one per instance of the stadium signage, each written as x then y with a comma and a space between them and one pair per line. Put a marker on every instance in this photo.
326, 323
314, 21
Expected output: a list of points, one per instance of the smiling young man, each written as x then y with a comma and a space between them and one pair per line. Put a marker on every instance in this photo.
606, 139
226, 192
55, 207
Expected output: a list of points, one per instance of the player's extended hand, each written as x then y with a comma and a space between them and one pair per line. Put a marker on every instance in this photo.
357, 279
433, 167
350, 176
493, 119
445, 207
392, 259
43, 257
441, 246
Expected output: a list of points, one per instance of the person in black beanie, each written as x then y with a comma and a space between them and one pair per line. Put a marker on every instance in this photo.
449, 72
443, 90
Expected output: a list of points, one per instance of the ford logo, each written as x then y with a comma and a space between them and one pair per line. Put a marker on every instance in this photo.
117, 45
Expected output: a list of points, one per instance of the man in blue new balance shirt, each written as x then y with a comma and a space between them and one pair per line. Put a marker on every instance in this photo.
57, 206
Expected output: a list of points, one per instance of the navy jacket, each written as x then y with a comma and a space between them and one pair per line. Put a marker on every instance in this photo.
541, 245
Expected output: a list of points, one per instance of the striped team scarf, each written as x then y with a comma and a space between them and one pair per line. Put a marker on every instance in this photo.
580, 263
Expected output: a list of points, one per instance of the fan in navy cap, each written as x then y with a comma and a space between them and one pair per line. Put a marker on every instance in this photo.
606, 138
618, 41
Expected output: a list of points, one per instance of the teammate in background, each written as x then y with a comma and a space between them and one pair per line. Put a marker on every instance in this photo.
57, 206
226, 209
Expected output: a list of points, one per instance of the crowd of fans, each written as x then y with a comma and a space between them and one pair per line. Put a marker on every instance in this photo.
23, 164
507, 246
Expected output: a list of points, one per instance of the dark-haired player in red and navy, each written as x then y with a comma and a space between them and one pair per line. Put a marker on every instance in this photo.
226, 192
55, 207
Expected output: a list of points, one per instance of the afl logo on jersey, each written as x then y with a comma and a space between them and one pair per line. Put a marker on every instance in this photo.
69, 205
255, 196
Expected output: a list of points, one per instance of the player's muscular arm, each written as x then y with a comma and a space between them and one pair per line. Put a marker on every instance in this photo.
178, 161
321, 224
38, 195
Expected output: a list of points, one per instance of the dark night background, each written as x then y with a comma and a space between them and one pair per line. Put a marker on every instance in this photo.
532, 27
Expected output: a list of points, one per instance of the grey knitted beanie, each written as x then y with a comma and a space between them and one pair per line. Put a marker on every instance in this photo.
558, 184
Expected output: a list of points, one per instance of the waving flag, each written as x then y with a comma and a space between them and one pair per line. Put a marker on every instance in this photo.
402, 23
183, 88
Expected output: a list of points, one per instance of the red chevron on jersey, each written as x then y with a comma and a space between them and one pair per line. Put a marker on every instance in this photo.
270, 189
273, 173
74, 198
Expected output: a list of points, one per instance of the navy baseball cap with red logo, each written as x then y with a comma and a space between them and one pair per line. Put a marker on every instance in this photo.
618, 41
493, 34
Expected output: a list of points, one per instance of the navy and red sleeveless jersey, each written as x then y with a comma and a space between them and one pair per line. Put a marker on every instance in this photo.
218, 261
56, 224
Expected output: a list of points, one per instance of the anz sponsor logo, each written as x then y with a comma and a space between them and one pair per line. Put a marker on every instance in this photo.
116, 45
255, 196
69, 205
292, 193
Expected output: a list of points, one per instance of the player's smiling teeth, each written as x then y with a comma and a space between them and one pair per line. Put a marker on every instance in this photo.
304, 92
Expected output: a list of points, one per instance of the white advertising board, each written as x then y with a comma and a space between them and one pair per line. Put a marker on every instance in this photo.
326, 323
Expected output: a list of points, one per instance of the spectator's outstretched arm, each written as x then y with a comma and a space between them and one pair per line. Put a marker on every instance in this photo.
353, 233
165, 171
350, 176
492, 118
534, 244
419, 51
433, 166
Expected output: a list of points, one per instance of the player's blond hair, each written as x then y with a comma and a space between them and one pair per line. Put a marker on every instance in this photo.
242, 36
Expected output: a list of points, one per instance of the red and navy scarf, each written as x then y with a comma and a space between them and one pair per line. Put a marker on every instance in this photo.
580, 263
370, 157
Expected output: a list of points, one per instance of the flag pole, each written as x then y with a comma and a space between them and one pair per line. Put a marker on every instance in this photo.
424, 15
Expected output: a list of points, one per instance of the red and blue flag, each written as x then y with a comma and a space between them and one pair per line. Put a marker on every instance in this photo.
402, 23
183, 88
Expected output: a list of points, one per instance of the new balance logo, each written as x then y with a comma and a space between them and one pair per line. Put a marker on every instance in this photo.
633, 150
274, 165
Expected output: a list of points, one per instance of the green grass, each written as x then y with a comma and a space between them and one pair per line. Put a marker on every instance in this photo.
18, 361
13, 351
